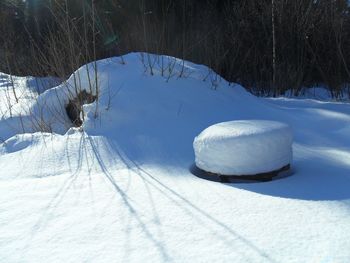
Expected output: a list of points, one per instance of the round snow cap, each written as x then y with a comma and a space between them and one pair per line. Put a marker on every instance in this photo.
244, 147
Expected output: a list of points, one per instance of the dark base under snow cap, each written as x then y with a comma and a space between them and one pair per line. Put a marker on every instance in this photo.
262, 177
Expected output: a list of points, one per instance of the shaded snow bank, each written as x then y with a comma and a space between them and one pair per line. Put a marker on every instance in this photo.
321, 93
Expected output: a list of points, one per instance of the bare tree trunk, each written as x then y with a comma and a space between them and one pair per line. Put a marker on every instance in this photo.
94, 54
273, 47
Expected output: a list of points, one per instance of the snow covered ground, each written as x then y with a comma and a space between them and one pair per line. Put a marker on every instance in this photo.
121, 190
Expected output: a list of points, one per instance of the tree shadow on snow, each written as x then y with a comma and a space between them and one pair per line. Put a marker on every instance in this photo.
152, 183
126, 200
318, 174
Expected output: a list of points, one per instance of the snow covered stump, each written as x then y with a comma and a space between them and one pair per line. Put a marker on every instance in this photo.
245, 149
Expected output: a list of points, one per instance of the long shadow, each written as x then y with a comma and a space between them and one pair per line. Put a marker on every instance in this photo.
57, 198
174, 196
127, 201
314, 178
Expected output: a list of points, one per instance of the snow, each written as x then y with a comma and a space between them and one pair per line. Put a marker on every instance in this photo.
321, 93
120, 188
244, 147
18, 117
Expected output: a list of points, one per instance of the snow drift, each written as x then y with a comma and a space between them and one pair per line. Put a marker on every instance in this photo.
176, 101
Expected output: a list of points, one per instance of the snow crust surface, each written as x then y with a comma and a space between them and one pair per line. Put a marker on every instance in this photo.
120, 189
244, 147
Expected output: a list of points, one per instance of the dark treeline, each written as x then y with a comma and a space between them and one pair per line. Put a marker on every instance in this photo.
268, 45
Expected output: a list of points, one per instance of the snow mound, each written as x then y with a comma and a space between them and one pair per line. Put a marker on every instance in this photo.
162, 92
244, 147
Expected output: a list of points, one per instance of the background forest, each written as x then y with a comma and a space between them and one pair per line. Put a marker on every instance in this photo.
268, 46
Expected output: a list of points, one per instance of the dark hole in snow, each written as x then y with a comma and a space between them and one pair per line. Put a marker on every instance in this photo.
262, 177
74, 107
